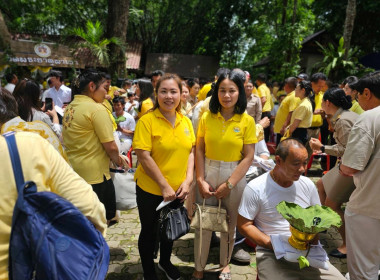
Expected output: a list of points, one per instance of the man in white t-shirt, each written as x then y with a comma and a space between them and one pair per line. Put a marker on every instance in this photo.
12, 81
258, 217
60, 93
125, 124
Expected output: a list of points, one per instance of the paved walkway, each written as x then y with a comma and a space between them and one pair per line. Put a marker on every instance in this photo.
125, 260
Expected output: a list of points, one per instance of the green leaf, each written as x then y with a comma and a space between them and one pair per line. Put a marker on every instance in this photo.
303, 262
334, 62
312, 219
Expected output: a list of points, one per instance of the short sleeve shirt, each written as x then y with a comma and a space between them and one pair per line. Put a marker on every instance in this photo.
169, 147
262, 195
86, 125
264, 91
128, 124
60, 96
363, 153
224, 140
303, 112
356, 108
289, 104
202, 94
317, 119
146, 105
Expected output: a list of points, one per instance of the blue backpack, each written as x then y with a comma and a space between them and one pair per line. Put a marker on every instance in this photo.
50, 237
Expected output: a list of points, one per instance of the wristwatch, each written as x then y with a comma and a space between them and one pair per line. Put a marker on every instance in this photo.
229, 185
323, 149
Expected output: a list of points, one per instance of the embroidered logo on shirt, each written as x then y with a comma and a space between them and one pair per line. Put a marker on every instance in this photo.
187, 132
237, 129
68, 117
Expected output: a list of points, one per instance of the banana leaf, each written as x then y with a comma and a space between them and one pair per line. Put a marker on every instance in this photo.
312, 219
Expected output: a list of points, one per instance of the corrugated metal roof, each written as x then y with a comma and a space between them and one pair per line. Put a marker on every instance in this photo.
133, 54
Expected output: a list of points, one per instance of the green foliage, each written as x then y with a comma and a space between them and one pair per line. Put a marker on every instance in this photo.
312, 219
331, 15
336, 66
201, 27
279, 41
303, 262
93, 41
51, 17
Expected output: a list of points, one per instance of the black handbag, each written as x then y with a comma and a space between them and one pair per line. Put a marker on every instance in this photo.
173, 222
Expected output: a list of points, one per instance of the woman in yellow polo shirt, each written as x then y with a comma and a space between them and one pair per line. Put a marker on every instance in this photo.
145, 92
303, 115
163, 141
225, 148
88, 137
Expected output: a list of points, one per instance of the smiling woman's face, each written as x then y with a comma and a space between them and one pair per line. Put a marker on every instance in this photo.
168, 95
228, 94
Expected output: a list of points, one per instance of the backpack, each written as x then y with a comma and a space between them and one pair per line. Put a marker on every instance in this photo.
50, 238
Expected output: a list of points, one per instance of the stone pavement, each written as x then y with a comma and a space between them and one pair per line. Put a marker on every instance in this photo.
125, 260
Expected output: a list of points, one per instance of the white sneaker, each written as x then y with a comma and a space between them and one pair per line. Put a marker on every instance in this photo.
347, 276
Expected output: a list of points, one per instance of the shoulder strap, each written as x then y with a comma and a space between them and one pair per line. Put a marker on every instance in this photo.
15, 158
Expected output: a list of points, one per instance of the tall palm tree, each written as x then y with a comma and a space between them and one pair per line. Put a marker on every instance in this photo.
94, 42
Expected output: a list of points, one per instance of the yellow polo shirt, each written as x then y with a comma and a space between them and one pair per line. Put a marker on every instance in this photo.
224, 140
146, 105
356, 107
303, 112
42, 164
264, 91
317, 119
287, 105
203, 91
86, 125
169, 147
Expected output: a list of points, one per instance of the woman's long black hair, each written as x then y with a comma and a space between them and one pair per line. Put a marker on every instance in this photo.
235, 76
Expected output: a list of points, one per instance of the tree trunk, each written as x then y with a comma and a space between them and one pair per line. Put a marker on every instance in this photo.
349, 24
117, 23
5, 36
295, 11
284, 7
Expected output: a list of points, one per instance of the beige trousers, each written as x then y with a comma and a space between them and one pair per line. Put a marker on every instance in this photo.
363, 246
216, 173
270, 268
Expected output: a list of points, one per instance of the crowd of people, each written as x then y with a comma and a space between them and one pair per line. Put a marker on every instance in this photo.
197, 141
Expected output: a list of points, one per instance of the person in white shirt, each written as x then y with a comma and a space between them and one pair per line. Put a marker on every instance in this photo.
125, 124
12, 80
132, 105
60, 93
258, 217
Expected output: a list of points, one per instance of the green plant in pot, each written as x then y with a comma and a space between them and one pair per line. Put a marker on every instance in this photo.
306, 223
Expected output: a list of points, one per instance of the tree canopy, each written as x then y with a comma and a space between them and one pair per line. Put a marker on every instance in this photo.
240, 33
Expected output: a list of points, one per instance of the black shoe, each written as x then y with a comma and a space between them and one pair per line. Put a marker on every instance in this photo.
171, 271
337, 254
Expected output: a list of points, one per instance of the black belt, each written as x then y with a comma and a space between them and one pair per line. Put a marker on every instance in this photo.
314, 128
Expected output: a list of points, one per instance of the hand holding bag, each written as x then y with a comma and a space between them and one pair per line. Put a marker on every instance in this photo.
174, 222
212, 218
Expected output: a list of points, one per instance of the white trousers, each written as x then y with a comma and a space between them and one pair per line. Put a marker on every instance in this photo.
216, 173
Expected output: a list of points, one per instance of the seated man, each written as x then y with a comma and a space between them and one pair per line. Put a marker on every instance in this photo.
125, 124
258, 217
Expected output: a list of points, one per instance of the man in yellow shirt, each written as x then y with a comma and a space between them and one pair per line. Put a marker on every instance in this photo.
156, 75
45, 166
318, 83
287, 106
202, 94
266, 101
